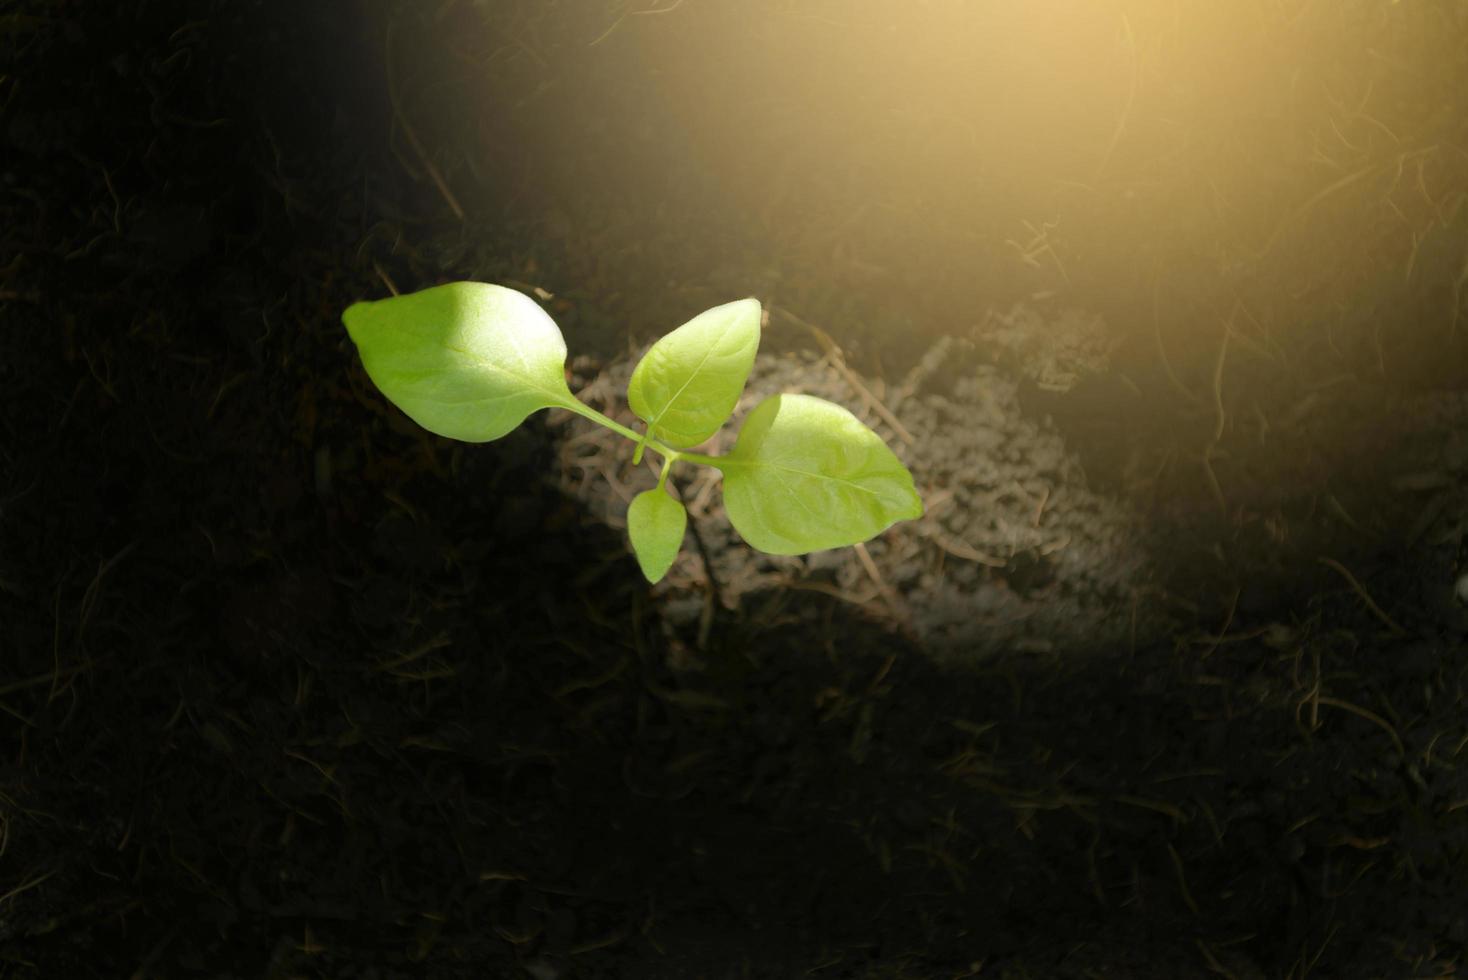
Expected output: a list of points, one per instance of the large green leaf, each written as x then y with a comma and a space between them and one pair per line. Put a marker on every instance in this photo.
806, 474
467, 360
655, 522
688, 383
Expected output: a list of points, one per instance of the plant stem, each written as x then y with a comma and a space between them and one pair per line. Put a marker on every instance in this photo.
717, 462
587, 412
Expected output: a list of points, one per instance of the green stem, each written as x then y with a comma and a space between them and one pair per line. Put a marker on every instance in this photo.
587, 412
717, 462
669, 455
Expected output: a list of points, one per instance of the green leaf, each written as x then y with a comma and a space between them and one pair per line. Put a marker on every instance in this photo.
806, 474
688, 383
655, 522
467, 360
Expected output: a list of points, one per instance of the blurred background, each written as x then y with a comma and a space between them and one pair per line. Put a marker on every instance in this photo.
1291, 173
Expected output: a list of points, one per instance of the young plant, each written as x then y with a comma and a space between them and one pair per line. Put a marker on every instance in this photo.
470, 361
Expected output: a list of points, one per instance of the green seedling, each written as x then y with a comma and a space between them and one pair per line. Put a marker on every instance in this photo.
470, 361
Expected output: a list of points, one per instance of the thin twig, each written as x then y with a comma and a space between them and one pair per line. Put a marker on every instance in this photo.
382, 274
1131, 99
838, 361
894, 602
1370, 716
1227, 622
1360, 590
634, 13
960, 550
813, 585
408, 131
1222, 416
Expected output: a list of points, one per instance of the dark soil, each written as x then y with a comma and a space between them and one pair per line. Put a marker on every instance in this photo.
291, 688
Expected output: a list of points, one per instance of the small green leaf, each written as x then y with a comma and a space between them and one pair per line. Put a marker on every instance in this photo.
806, 474
688, 383
467, 360
655, 522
